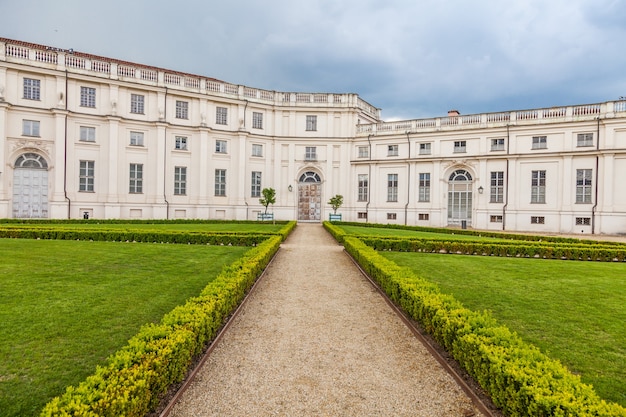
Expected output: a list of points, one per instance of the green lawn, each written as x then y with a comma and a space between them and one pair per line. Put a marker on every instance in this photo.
573, 311
65, 306
401, 233
176, 227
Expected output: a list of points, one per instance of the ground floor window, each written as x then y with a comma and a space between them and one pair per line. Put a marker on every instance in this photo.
537, 220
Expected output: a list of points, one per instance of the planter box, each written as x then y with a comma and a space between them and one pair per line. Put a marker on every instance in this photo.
264, 216
334, 217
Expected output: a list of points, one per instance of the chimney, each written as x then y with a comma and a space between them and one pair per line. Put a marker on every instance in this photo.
452, 113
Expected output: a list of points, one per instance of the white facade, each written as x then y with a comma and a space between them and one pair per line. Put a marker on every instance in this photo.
82, 135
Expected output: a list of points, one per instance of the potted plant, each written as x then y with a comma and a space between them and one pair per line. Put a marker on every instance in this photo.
335, 202
269, 197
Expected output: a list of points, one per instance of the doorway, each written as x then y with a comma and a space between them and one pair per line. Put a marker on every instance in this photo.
310, 197
30, 187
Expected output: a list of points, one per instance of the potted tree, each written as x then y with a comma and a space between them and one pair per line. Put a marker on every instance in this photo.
269, 197
335, 202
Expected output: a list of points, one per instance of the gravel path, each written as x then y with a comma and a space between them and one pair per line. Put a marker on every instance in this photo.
315, 339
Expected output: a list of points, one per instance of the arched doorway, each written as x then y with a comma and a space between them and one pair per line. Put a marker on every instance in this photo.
30, 187
309, 197
460, 197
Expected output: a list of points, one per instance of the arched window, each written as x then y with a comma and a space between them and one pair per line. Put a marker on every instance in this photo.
310, 176
31, 160
460, 175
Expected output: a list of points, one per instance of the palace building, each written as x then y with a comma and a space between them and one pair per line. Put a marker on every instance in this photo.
84, 136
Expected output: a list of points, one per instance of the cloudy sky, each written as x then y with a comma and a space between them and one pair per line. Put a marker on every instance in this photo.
411, 58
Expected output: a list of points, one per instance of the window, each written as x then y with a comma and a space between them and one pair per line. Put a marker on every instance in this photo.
460, 146
540, 142
392, 187
257, 120
311, 123
87, 134
180, 180
220, 182
363, 187
136, 138
255, 187
361, 215
30, 128
86, 176
310, 153
137, 103
220, 146
497, 144
221, 116
497, 187
87, 97
392, 216
583, 221
136, 179
364, 152
495, 219
182, 109
424, 187
424, 148
537, 220
583, 186
422, 216
180, 143
584, 139
32, 89
538, 187
392, 150
257, 150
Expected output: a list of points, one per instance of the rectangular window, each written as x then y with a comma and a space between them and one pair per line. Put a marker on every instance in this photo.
497, 144
182, 109
424, 187
584, 139
257, 150
497, 187
87, 97
137, 103
364, 152
180, 180
392, 187
221, 116
424, 148
495, 219
392, 216
30, 128
255, 187
310, 153
363, 187
460, 146
311, 123
392, 150
220, 182
537, 220
136, 179
583, 186
86, 176
136, 138
540, 142
583, 221
221, 146
32, 89
257, 120
180, 143
538, 187
423, 216
87, 134
361, 215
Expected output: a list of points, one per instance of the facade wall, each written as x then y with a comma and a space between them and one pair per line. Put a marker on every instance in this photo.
519, 171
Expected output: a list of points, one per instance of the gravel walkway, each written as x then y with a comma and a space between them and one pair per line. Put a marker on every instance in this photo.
315, 339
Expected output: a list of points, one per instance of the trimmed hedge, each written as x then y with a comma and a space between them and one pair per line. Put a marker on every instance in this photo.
136, 377
520, 379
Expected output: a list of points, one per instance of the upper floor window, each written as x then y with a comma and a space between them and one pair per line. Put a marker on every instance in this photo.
311, 123
181, 143
137, 103
136, 138
538, 187
30, 127
32, 89
540, 142
310, 153
424, 148
392, 150
87, 97
497, 144
460, 146
364, 152
221, 115
257, 120
584, 139
220, 146
182, 109
257, 149
87, 134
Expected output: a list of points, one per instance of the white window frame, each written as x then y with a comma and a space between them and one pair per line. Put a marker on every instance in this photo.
257, 120
584, 140
538, 187
180, 143
221, 115
30, 128
220, 182
32, 89
221, 146
257, 150
364, 151
87, 134
310, 153
424, 187
182, 109
311, 123
460, 146
136, 138
425, 148
497, 144
180, 180
583, 186
86, 176
540, 142
255, 184
137, 103
392, 150
362, 187
496, 194
392, 188
88, 97
136, 179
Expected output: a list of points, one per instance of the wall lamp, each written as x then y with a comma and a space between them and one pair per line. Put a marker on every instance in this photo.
290, 188
480, 189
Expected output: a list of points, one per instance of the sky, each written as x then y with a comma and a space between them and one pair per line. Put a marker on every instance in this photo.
410, 58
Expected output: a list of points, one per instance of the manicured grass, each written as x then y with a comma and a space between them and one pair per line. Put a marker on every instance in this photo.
383, 232
65, 306
573, 311
177, 227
